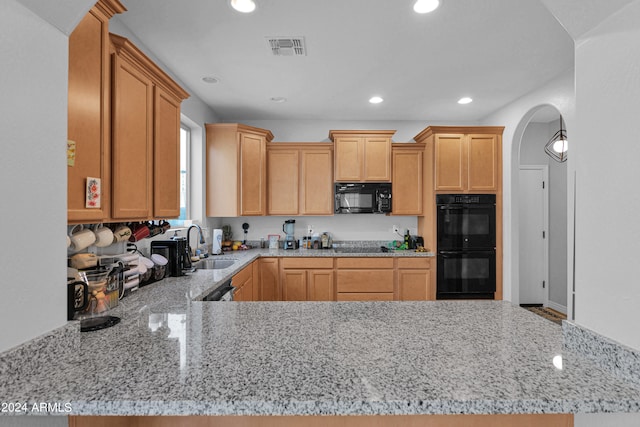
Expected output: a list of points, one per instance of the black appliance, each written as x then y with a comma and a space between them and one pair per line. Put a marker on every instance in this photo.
176, 251
356, 198
466, 239
223, 292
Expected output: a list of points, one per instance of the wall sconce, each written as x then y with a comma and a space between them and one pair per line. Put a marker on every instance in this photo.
557, 146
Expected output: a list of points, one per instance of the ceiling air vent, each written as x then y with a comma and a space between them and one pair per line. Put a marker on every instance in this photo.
287, 46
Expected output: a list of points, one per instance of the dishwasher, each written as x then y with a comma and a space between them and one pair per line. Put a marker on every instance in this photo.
223, 293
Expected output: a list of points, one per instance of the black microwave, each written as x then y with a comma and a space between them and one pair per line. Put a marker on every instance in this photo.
357, 198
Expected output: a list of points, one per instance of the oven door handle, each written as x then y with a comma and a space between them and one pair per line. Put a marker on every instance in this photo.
452, 207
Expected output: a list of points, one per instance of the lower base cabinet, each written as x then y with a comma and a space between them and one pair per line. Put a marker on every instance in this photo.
244, 284
307, 279
365, 279
414, 279
517, 420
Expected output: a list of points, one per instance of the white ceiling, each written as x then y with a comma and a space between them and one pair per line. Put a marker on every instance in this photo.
491, 50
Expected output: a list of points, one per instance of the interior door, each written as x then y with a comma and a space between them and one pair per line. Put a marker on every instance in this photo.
533, 251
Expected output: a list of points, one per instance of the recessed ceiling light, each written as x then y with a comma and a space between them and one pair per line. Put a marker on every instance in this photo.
210, 79
426, 6
279, 99
375, 100
244, 6
465, 100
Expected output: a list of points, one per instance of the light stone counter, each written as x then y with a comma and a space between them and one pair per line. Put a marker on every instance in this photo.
172, 355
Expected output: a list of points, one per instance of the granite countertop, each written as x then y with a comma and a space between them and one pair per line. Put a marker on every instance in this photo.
172, 355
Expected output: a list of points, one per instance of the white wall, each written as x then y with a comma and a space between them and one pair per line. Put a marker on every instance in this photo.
606, 153
558, 222
33, 124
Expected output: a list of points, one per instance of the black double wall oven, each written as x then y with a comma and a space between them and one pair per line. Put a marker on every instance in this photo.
466, 246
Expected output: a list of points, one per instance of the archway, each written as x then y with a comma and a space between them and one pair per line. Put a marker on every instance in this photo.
532, 133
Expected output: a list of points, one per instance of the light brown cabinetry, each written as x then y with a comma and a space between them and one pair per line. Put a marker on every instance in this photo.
362, 155
307, 279
299, 179
414, 279
145, 136
166, 150
243, 284
236, 170
89, 104
457, 420
407, 161
466, 159
269, 289
364, 279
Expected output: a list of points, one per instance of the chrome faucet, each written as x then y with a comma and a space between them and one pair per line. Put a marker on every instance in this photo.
201, 241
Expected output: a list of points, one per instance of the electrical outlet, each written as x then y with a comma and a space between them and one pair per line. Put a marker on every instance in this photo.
396, 229
309, 230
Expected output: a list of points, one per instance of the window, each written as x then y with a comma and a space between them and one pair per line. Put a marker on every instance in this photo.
185, 145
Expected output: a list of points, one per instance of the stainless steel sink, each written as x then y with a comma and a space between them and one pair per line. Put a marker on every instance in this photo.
213, 264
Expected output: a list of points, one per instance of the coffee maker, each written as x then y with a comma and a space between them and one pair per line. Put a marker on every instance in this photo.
176, 251
289, 229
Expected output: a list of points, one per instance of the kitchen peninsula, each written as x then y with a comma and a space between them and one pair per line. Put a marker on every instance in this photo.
175, 355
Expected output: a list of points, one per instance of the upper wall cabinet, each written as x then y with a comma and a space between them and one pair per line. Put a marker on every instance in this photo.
145, 136
236, 170
466, 159
89, 104
361, 155
299, 179
407, 179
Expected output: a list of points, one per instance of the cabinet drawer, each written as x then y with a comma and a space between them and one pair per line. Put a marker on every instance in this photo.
365, 296
365, 281
307, 262
364, 263
414, 263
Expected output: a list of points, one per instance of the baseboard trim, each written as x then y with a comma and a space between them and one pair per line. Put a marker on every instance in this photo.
557, 307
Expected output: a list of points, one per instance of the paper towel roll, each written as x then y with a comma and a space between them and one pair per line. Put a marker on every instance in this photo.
216, 242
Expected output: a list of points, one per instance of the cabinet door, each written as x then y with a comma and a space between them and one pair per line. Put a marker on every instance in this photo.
377, 159
414, 285
88, 113
407, 182
132, 154
282, 167
348, 159
483, 162
166, 156
294, 285
253, 175
269, 280
450, 163
316, 176
320, 285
